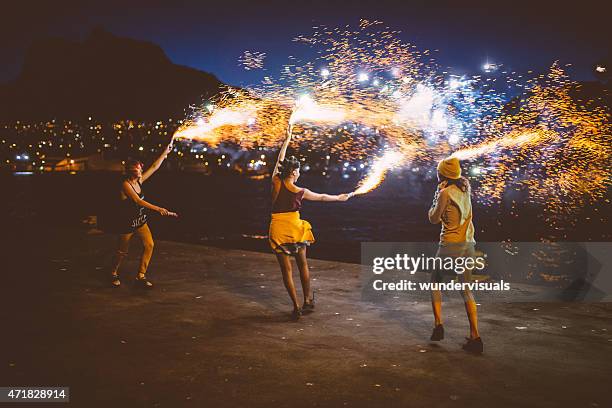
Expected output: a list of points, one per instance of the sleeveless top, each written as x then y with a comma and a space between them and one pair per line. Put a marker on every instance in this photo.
135, 215
457, 223
287, 201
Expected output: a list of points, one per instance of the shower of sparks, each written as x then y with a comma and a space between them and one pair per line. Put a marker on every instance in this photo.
252, 60
378, 171
368, 95
550, 147
210, 128
307, 110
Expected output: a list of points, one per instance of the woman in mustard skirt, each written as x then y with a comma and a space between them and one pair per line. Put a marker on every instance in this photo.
290, 235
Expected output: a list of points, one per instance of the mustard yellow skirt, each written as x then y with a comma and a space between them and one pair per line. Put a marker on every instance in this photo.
288, 232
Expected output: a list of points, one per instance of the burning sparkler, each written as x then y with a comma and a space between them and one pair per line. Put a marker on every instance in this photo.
377, 174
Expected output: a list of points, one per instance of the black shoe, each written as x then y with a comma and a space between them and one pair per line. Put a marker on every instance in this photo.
308, 307
474, 346
296, 314
115, 281
143, 283
438, 333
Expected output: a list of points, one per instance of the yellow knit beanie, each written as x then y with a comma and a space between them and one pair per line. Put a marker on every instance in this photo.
450, 168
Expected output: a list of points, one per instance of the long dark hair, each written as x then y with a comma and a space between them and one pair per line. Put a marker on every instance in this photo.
461, 182
130, 173
287, 166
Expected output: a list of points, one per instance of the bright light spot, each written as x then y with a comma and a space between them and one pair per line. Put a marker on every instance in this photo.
304, 100
417, 109
395, 71
454, 139
489, 67
325, 72
600, 69
210, 107
439, 122
141, 148
455, 83
251, 121
362, 77
476, 170
346, 164
376, 82
307, 110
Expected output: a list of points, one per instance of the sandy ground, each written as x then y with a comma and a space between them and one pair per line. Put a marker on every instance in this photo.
215, 332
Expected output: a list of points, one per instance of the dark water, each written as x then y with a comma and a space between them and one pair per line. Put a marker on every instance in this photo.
233, 211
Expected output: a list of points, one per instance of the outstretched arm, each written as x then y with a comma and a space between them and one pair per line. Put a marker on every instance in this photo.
283, 151
312, 196
131, 194
157, 163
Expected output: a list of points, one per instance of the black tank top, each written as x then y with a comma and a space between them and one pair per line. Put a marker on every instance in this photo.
136, 214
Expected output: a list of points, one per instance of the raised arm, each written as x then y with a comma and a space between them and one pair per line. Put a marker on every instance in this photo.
131, 194
437, 207
283, 151
157, 163
312, 196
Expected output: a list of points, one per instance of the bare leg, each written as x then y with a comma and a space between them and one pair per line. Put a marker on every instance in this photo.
470, 306
302, 264
472, 313
123, 245
147, 241
285, 264
436, 305
436, 302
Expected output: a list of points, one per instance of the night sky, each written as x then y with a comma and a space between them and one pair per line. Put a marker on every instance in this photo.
211, 36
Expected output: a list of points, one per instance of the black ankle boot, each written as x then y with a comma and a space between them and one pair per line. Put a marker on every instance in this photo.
474, 346
438, 333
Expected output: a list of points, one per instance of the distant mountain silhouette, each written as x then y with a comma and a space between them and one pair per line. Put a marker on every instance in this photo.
105, 76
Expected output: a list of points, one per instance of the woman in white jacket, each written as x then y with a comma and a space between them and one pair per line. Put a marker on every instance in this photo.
452, 207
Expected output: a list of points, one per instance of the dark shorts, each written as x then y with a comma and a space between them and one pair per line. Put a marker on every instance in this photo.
455, 250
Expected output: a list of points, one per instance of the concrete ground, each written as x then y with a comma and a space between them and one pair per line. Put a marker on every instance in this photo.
215, 333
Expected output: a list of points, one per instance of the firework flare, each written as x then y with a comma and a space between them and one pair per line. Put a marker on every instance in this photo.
378, 171
369, 95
